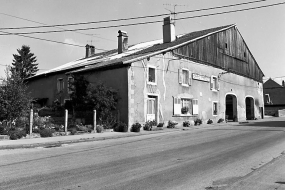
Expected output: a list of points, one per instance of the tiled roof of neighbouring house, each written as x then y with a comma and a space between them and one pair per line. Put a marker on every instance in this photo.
134, 52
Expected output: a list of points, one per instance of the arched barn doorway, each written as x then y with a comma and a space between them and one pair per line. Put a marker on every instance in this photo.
249, 107
231, 108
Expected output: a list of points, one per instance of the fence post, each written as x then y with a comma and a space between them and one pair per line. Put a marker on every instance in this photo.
65, 121
94, 120
31, 122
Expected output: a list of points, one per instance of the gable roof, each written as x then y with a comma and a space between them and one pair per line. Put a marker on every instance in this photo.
134, 53
271, 84
156, 48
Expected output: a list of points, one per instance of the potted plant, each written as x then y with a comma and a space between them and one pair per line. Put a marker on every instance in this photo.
148, 126
198, 121
184, 110
171, 124
136, 127
186, 124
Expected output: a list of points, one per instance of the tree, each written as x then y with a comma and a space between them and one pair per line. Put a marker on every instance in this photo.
24, 64
86, 96
14, 98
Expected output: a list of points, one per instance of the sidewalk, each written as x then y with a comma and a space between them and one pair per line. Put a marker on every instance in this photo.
58, 140
270, 176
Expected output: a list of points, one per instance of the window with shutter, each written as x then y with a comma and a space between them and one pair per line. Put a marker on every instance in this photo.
151, 75
214, 83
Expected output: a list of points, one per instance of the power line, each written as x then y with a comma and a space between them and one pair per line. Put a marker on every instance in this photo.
47, 40
53, 26
125, 19
150, 22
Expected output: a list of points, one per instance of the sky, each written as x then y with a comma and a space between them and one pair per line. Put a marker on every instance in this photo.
262, 29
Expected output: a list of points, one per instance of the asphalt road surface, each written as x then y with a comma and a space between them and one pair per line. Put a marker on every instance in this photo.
210, 158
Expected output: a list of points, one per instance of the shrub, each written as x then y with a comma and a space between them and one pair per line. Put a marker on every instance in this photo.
186, 124
136, 127
17, 134
81, 128
160, 125
171, 124
99, 128
220, 120
73, 131
198, 121
46, 132
209, 121
148, 125
120, 127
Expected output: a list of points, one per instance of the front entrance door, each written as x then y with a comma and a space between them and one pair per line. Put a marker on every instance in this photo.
151, 108
231, 108
249, 107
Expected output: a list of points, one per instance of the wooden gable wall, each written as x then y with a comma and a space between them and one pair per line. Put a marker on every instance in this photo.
226, 50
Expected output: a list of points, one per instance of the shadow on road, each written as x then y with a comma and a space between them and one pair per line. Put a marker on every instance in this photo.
265, 124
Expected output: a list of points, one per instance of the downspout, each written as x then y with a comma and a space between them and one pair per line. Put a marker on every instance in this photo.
145, 88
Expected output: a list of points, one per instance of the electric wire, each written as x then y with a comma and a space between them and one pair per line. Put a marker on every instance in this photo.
143, 23
51, 26
51, 41
125, 19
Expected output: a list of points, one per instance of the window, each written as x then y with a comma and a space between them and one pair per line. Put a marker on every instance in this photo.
185, 77
69, 84
152, 75
214, 83
215, 108
185, 106
60, 85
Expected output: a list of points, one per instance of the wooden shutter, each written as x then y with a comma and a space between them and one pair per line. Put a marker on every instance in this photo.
211, 83
58, 85
218, 84
189, 78
195, 107
180, 75
176, 106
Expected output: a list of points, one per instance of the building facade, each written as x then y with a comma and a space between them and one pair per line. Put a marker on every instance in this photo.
208, 74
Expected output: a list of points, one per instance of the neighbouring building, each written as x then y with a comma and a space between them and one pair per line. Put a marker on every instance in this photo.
274, 97
207, 74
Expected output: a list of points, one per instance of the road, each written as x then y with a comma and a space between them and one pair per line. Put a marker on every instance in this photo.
190, 159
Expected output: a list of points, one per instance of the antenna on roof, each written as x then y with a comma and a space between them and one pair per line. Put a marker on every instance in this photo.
173, 12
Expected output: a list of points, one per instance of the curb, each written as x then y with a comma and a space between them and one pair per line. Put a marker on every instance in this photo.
59, 143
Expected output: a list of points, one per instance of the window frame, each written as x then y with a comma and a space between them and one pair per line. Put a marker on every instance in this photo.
68, 85
215, 87
178, 105
155, 75
181, 76
59, 80
213, 103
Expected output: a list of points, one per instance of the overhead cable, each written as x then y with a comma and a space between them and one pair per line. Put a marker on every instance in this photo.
124, 19
150, 22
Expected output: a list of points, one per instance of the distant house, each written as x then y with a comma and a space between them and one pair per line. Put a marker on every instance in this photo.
274, 97
207, 74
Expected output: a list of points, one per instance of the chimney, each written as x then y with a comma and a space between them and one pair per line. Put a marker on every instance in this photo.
90, 50
168, 30
283, 83
122, 41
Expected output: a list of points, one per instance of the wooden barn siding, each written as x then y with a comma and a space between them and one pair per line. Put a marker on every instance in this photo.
212, 50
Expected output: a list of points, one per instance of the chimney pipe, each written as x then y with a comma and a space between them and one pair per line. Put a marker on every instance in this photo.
283, 83
168, 30
90, 50
122, 41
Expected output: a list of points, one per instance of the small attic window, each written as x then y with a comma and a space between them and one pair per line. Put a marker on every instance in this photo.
226, 45
244, 54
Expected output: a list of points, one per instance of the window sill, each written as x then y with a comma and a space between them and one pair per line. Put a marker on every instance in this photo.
183, 115
152, 83
185, 85
214, 90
